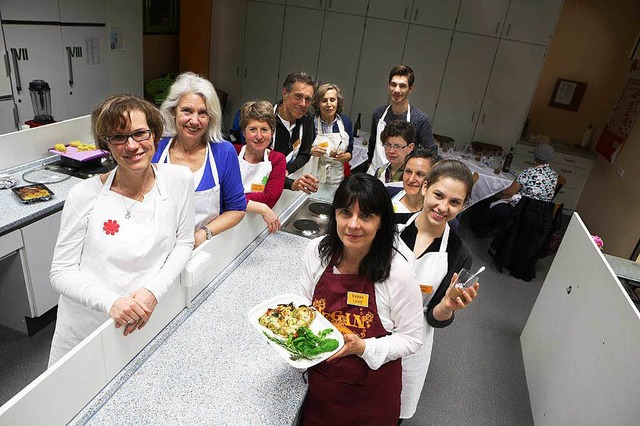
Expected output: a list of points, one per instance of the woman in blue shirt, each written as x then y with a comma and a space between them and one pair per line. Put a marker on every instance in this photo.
192, 113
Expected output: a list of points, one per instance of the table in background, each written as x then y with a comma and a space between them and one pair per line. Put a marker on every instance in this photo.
359, 153
488, 184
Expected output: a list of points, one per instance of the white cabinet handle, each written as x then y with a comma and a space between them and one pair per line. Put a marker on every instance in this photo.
497, 27
569, 160
406, 9
473, 116
483, 117
245, 73
16, 119
508, 28
567, 171
415, 15
7, 66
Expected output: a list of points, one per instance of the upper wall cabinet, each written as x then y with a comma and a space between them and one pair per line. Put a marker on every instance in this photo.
435, 13
381, 51
82, 11
262, 42
340, 66
485, 17
355, 7
397, 10
32, 10
300, 49
428, 69
532, 21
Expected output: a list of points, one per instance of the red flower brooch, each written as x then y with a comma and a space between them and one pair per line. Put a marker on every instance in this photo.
111, 227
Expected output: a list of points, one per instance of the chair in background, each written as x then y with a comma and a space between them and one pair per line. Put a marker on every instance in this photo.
561, 182
444, 142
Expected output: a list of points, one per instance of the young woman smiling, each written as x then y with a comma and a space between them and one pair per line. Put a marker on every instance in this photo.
436, 253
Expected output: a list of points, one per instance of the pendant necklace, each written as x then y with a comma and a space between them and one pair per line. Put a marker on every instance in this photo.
127, 214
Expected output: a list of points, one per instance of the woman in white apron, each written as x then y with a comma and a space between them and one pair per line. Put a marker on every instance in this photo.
192, 113
125, 236
415, 169
436, 253
333, 142
379, 155
262, 170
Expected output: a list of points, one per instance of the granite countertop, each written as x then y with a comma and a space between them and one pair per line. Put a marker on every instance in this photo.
565, 148
215, 368
15, 214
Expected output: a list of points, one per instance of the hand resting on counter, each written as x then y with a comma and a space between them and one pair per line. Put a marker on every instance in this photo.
134, 311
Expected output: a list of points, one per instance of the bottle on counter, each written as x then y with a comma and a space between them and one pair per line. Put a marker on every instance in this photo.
356, 127
508, 159
586, 138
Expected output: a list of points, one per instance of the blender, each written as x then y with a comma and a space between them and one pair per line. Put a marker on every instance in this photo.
41, 101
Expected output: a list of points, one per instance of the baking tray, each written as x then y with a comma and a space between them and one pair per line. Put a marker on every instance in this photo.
33, 193
319, 323
81, 156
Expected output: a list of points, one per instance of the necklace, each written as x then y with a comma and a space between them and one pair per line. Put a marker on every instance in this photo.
412, 209
127, 213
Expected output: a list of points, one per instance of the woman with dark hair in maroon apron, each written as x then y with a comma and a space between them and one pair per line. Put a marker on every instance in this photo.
359, 282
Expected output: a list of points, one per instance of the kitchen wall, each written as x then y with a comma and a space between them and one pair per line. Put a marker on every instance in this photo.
592, 44
160, 55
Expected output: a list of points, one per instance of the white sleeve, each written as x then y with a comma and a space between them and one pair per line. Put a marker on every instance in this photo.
183, 200
405, 302
65, 274
310, 266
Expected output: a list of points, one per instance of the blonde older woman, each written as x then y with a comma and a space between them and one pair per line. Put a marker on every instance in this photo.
192, 113
333, 133
263, 170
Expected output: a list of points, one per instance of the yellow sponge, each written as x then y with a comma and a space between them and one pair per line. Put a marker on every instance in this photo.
60, 147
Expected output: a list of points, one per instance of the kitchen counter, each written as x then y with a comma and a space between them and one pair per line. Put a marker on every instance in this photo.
213, 367
15, 214
564, 148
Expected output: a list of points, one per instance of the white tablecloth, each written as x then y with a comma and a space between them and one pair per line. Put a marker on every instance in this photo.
488, 183
359, 153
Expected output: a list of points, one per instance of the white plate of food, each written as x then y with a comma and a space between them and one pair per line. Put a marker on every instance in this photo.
279, 319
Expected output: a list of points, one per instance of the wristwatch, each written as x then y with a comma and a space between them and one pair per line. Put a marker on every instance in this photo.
208, 231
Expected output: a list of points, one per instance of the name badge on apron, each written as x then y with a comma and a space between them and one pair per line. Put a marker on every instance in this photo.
357, 299
426, 289
257, 187
296, 144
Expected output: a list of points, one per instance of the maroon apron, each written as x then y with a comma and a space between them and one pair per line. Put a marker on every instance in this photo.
346, 391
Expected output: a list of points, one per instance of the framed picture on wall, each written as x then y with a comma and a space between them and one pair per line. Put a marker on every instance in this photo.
161, 16
567, 94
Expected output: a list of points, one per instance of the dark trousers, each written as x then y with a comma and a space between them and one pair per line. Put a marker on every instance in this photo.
484, 219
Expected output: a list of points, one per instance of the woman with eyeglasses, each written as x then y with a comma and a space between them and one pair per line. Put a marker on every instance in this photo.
126, 235
192, 113
333, 133
397, 141
263, 170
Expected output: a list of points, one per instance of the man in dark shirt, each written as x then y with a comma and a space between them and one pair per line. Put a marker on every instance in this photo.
294, 129
400, 87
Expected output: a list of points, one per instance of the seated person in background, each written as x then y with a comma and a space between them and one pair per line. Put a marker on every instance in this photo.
400, 86
262, 169
538, 182
192, 113
126, 235
333, 133
397, 141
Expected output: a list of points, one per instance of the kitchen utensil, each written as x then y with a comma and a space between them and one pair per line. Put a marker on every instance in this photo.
40, 93
44, 175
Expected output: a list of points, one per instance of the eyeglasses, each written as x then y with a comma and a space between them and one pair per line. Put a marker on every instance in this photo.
138, 136
397, 147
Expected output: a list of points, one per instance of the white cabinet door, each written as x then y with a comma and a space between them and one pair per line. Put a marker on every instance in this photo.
311, 4
484, 17
381, 50
339, 53
301, 41
396, 10
506, 102
39, 242
428, 69
7, 116
465, 79
82, 11
34, 54
435, 13
263, 38
356, 7
32, 10
84, 49
532, 21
